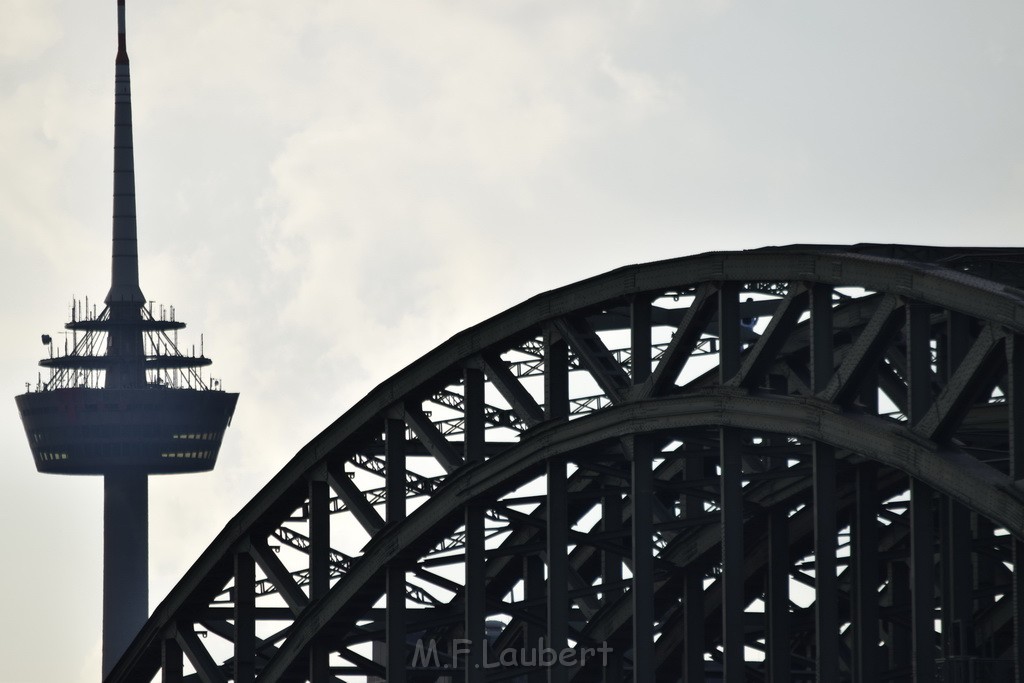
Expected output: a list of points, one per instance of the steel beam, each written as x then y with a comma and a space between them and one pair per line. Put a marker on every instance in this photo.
395, 626
1017, 596
278, 574
475, 563
512, 390
866, 352
764, 352
594, 356
245, 618
683, 342
642, 497
1015, 402
1015, 428
319, 567
611, 559
826, 585
777, 646
535, 595
731, 496
611, 570
640, 338
204, 664
922, 507
431, 437
960, 358
900, 636
354, 499
922, 578
864, 556
171, 662
556, 376
694, 635
966, 381
558, 569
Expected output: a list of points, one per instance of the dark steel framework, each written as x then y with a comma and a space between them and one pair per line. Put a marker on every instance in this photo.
789, 464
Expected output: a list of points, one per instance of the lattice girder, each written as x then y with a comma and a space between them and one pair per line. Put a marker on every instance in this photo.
848, 423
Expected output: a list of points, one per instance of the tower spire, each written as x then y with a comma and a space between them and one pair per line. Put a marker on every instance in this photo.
124, 272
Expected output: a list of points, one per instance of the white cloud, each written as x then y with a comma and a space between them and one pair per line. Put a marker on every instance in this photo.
29, 28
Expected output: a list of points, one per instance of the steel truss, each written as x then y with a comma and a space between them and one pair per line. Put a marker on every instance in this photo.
780, 465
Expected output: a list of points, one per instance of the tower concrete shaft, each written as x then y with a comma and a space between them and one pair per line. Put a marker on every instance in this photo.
125, 561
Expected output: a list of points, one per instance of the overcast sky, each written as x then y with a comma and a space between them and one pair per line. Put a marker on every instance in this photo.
329, 189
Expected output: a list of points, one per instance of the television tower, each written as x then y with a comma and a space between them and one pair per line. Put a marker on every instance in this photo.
122, 401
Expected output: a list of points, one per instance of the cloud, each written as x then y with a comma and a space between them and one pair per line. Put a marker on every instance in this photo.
28, 30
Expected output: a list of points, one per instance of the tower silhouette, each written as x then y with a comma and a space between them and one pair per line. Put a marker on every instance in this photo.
122, 401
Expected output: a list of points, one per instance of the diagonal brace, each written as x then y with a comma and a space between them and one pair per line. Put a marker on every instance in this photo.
760, 358
353, 498
867, 350
206, 668
594, 356
512, 390
279, 575
693, 325
431, 438
960, 393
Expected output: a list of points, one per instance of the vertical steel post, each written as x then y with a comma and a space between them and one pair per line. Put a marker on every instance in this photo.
958, 574
922, 573
922, 553
171, 661
556, 406
245, 618
1017, 596
558, 565
319, 567
642, 495
1015, 401
822, 359
901, 649
556, 376
534, 592
611, 561
395, 620
693, 586
826, 603
780, 665
475, 563
611, 572
640, 338
731, 495
864, 556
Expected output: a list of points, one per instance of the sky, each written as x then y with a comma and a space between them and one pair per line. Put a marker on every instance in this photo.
328, 190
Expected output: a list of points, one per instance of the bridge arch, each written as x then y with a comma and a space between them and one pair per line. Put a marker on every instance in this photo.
764, 465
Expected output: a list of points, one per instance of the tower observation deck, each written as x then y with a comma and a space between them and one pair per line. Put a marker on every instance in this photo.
122, 401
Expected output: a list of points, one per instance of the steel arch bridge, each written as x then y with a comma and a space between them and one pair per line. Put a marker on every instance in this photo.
787, 464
